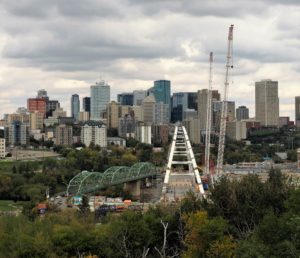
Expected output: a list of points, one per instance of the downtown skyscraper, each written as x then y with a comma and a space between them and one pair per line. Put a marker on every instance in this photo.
75, 106
100, 97
267, 103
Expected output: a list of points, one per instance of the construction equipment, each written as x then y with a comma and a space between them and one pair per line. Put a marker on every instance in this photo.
208, 122
223, 123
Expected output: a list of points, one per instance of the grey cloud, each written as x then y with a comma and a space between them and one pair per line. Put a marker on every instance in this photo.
37, 9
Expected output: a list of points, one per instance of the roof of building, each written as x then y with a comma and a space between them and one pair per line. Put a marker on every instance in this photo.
149, 98
115, 139
94, 123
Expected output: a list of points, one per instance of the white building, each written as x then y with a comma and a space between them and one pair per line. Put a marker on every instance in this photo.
116, 141
2, 148
143, 133
100, 97
94, 132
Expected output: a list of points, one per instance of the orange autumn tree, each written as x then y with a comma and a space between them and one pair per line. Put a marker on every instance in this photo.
207, 237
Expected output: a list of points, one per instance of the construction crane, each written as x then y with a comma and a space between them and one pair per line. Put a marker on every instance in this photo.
208, 121
223, 118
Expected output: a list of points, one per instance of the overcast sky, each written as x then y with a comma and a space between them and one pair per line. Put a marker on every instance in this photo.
64, 46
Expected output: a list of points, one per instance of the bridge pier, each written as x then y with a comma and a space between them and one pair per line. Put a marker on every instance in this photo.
133, 188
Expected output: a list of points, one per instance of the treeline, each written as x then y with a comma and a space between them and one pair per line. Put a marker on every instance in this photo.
246, 218
28, 180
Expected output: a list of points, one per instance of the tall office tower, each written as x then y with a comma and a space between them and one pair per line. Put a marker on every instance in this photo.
37, 104
182, 101
216, 113
95, 133
63, 135
18, 133
138, 97
193, 129
138, 113
162, 112
149, 109
75, 106
242, 112
297, 111
42, 94
125, 98
179, 105
267, 102
86, 104
51, 106
100, 97
161, 91
202, 105
113, 114
36, 120
192, 100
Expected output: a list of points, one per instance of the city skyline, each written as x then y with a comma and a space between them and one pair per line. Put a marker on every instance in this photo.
150, 41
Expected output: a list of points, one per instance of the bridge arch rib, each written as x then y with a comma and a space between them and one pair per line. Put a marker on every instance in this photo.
82, 180
85, 181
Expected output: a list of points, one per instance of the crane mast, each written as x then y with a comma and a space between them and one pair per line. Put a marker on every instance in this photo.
223, 118
208, 120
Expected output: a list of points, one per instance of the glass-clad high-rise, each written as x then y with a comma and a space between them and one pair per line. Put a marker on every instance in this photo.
100, 97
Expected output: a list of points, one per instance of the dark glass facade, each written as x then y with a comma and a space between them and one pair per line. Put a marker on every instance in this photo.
125, 99
86, 104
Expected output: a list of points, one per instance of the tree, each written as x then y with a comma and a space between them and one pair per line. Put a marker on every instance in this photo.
124, 237
242, 203
84, 207
207, 237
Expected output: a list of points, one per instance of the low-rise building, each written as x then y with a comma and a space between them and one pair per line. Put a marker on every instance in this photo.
2, 148
116, 141
238, 130
298, 159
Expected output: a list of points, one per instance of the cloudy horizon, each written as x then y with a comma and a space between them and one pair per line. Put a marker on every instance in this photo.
65, 46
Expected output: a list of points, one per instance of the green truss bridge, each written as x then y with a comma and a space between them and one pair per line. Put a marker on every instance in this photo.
87, 182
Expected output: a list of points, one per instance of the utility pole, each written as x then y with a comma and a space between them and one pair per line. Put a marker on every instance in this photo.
223, 123
208, 121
